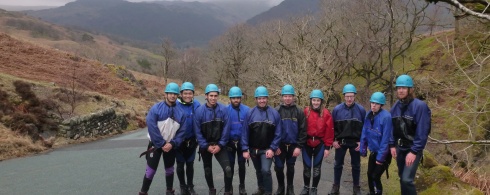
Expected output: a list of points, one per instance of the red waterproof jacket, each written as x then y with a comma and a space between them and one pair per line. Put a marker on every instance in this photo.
319, 128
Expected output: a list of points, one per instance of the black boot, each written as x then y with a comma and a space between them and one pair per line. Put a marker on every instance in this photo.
305, 191
357, 190
183, 190
280, 190
290, 190
260, 191
241, 189
212, 191
190, 190
313, 191
335, 190
170, 192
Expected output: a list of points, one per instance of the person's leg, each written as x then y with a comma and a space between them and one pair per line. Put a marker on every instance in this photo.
355, 157
337, 168
408, 176
378, 171
290, 162
224, 161
370, 170
317, 165
169, 162
241, 171
339, 163
356, 164
190, 156
152, 160
266, 164
306, 155
279, 161
256, 160
208, 169
179, 156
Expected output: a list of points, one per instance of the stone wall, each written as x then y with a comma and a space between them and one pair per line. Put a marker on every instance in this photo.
100, 123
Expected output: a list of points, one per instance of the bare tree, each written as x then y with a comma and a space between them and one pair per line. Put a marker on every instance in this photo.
302, 53
169, 53
477, 8
190, 65
384, 30
472, 102
231, 52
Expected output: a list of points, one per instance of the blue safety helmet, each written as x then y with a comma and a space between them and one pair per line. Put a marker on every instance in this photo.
349, 88
211, 88
187, 86
261, 91
235, 92
172, 88
378, 98
404, 81
287, 90
317, 94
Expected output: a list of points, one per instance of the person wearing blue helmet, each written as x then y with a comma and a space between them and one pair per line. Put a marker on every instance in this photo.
292, 141
348, 121
236, 113
261, 135
319, 129
411, 127
186, 152
212, 129
376, 134
163, 112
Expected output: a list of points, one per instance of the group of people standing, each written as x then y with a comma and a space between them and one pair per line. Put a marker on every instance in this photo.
268, 135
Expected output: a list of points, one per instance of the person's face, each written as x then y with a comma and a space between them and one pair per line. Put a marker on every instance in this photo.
287, 99
212, 98
315, 102
171, 97
349, 98
375, 107
261, 101
187, 95
402, 92
235, 101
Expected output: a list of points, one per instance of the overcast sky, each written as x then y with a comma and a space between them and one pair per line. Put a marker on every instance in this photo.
63, 2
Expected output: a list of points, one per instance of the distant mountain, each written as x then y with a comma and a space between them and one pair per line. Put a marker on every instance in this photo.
286, 10
186, 23
23, 8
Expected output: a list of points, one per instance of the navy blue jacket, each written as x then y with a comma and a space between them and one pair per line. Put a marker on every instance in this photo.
189, 111
160, 112
376, 134
205, 115
237, 118
269, 116
293, 125
348, 121
417, 118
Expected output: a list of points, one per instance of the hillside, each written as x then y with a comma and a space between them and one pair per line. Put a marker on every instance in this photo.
286, 10
81, 43
150, 22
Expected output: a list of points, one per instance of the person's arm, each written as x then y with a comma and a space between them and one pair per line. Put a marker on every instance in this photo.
329, 134
387, 129
364, 137
278, 132
225, 134
153, 130
180, 134
245, 133
423, 121
203, 144
301, 139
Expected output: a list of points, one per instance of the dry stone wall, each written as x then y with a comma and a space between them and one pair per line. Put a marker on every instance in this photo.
99, 123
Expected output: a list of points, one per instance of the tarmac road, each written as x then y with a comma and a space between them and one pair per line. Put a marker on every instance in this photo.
112, 166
